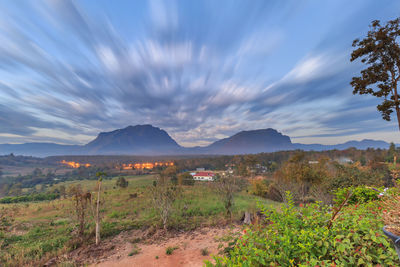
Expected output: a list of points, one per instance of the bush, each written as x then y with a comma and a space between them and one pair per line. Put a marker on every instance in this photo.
170, 250
122, 182
185, 179
301, 237
360, 194
259, 187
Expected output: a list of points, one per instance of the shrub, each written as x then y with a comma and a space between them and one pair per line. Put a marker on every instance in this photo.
259, 187
185, 179
122, 182
204, 252
301, 237
360, 194
170, 250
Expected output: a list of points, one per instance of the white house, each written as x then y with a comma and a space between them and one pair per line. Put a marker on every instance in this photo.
204, 176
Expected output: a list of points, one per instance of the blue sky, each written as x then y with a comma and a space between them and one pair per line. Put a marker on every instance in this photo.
202, 70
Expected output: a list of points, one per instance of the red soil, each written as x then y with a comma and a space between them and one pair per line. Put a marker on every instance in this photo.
188, 253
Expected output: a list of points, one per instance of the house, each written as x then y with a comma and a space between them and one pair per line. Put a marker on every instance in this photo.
204, 176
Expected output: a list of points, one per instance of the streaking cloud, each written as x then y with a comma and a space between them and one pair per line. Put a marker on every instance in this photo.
201, 70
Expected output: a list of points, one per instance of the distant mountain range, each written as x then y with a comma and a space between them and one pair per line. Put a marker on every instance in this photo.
149, 140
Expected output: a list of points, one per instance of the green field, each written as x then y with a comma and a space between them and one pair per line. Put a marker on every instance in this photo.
42, 230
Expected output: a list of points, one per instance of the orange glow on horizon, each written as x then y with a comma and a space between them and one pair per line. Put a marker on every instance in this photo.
145, 165
74, 164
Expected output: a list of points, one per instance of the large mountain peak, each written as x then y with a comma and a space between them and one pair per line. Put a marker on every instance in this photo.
144, 139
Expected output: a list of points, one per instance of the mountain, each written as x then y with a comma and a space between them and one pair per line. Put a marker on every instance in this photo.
149, 140
139, 139
364, 144
250, 142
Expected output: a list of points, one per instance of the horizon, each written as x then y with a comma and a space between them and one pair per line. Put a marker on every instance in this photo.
201, 71
366, 139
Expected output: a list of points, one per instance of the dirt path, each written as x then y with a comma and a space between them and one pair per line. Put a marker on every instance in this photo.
188, 252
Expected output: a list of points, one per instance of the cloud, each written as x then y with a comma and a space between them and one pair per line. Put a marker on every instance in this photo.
200, 70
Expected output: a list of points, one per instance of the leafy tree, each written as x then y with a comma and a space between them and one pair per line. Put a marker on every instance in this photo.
185, 179
380, 51
122, 182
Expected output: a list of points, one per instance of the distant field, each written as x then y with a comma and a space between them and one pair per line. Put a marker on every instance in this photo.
25, 170
43, 229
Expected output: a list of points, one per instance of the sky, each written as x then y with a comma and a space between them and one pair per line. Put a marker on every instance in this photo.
201, 70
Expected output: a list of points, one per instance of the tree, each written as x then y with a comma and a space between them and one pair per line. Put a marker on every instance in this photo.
100, 176
380, 51
391, 155
170, 173
164, 193
122, 182
297, 175
226, 187
185, 179
80, 202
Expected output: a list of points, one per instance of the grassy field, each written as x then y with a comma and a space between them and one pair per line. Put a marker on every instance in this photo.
42, 230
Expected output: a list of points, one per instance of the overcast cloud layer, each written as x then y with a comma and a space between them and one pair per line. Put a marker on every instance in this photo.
202, 70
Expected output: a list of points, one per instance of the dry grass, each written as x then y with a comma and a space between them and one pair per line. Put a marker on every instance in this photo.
391, 213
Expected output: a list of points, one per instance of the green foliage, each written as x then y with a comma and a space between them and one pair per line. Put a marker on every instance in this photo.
352, 175
109, 229
259, 187
300, 237
170, 250
117, 214
28, 198
380, 52
360, 194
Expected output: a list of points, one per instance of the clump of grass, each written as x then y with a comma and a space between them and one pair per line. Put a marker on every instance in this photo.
156, 257
204, 252
134, 251
170, 250
117, 214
